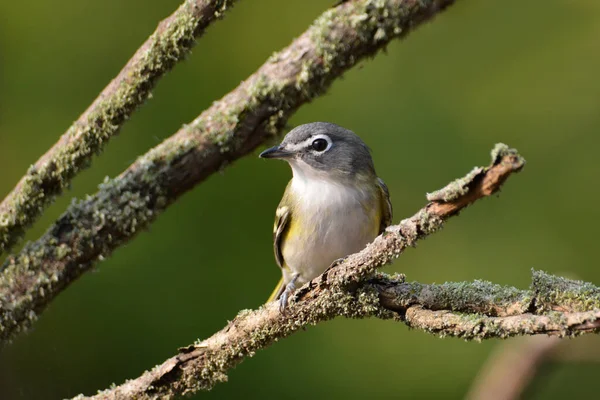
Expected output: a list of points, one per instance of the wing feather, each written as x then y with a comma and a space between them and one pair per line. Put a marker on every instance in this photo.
283, 215
281, 223
386, 206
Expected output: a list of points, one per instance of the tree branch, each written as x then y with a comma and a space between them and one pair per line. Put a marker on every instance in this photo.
204, 364
234, 126
547, 293
53, 172
352, 289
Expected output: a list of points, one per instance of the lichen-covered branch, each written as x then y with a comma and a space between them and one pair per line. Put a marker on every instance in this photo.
202, 365
445, 323
234, 126
353, 289
547, 293
52, 173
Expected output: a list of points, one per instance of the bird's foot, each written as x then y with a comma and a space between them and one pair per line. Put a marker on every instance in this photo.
289, 289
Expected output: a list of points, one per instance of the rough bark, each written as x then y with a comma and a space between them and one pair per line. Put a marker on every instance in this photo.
204, 364
353, 289
52, 173
251, 114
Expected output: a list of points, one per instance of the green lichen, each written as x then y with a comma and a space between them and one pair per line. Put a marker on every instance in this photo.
501, 151
336, 302
456, 189
304, 70
554, 292
479, 297
61, 252
103, 120
427, 223
93, 228
253, 330
474, 297
259, 90
88, 231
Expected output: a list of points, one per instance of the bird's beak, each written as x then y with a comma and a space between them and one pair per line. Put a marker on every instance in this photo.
275, 152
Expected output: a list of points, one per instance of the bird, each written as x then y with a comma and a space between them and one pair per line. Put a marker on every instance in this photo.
334, 205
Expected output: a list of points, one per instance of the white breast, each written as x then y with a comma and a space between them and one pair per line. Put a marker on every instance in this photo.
333, 220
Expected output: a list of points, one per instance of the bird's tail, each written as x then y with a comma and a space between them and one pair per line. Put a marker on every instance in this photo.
277, 292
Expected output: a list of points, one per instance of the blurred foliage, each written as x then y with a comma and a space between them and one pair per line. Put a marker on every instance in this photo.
431, 107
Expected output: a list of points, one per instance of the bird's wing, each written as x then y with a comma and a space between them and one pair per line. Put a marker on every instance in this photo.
282, 219
386, 206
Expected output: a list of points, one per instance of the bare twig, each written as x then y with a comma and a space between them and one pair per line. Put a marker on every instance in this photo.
351, 289
234, 126
52, 173
510, 369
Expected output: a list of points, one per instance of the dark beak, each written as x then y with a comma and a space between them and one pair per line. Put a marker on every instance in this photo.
275, 152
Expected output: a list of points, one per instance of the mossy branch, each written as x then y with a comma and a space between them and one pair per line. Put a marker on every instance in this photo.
52, 173
248, 116
354, 289
481, 310
204, 364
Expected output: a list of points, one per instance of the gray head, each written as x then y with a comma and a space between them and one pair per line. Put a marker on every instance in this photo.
324, 147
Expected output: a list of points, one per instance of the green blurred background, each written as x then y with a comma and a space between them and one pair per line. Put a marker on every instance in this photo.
523, 73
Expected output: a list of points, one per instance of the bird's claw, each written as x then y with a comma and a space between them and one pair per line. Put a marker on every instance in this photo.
283, 299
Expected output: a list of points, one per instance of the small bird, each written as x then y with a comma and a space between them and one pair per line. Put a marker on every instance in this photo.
333, 206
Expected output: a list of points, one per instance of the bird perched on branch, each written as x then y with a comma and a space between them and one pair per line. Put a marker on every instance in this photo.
333, 206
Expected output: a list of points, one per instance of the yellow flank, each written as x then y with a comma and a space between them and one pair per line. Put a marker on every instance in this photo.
275, 293
293, 229
379, 213
332, 207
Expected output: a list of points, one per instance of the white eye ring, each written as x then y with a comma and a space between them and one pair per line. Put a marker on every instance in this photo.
324, 137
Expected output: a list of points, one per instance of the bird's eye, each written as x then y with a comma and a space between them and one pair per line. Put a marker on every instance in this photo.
319, 144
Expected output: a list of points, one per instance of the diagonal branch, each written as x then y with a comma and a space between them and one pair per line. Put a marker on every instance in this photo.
350, 289
234, 126
52, 173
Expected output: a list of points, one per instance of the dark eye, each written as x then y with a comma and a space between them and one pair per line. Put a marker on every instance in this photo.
319, 144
